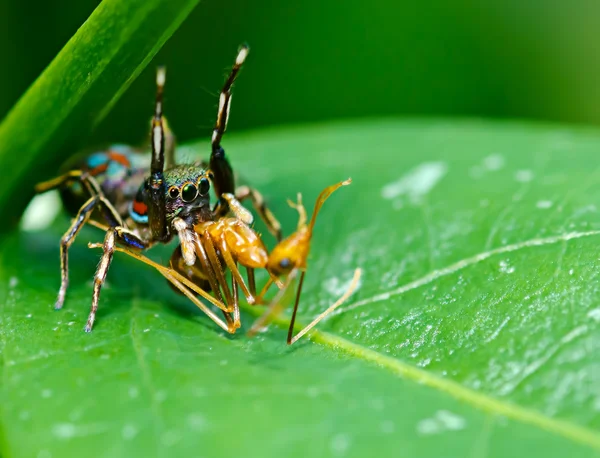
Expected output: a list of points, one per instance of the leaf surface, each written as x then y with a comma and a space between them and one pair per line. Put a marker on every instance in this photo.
474, 331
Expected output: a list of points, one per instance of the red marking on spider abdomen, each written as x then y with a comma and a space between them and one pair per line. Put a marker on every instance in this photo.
120, 158
140, 208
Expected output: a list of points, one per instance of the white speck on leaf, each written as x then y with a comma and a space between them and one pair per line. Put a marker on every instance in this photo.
340, 443
544, 204
594, 314
129, 431
442, 421
493, 162
46, 393
41, 211
13, 282
197, 421
524, 176
147, 330
388, 427
415, 184
133, 392
64, 430
505, 267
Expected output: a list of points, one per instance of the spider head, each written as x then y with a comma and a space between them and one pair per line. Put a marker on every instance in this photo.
187, 188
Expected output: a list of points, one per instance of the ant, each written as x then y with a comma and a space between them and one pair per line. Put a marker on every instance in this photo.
140, 201
232, 241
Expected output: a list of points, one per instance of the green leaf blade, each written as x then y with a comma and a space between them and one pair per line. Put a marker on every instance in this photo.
473, 332
79, 87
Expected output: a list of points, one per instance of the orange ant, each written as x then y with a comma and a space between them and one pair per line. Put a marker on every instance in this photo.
231, 241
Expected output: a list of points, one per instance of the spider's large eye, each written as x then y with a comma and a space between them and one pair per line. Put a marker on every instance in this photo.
204, 186
285, 263
189, 192
173, 192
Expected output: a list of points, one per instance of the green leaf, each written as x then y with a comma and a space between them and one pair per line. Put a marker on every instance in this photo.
78, 89
474, 331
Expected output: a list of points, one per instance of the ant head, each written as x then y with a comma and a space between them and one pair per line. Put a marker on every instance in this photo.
188, 196
289, 254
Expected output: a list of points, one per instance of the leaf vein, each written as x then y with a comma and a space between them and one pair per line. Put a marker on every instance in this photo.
464, 263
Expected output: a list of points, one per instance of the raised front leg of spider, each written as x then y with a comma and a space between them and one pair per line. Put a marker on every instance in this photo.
142, 199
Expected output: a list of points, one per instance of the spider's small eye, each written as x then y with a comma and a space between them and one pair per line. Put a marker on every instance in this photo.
204, 186
173, 192
285, 263
189, 192
211, 176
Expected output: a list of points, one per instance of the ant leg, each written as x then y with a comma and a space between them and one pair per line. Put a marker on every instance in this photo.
217, 269
245, 192
236, 312
251, 281
219, 165
209, 270
330, 309
235, 272
184, 285
299, 207
67, 239
276, 305
195, 274
113, 234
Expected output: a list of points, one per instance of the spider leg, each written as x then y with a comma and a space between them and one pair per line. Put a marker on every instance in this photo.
258, 202
219, 165
96, 200
157, 213
113, 235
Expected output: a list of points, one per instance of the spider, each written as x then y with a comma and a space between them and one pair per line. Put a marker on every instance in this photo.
141, 201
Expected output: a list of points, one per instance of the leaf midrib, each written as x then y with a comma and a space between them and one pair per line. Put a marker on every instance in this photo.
412, 373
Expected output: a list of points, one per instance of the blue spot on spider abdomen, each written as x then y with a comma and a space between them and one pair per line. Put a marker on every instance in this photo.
119, 170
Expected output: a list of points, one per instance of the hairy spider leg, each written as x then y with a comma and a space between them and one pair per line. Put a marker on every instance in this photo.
97, 199
258, 202
157, 213
219, 165
156, 209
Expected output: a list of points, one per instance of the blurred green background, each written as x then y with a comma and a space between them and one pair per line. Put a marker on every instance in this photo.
313, 60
